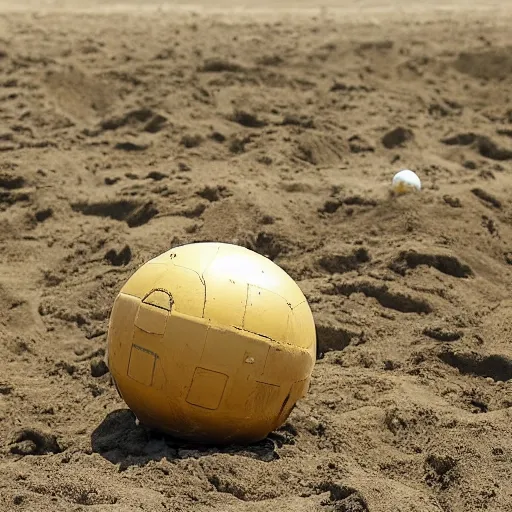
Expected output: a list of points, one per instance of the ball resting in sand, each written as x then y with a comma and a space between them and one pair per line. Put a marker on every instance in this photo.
406, 181
211, 342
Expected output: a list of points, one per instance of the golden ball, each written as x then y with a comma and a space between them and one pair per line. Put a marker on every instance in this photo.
211, 342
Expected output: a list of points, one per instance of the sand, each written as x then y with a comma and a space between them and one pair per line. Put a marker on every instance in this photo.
129, 129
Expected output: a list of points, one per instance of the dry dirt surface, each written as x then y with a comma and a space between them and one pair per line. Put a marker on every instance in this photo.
127, 130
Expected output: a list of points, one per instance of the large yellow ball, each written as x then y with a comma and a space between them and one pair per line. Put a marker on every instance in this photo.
211, 342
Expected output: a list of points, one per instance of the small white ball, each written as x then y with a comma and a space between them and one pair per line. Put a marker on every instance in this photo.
406, 181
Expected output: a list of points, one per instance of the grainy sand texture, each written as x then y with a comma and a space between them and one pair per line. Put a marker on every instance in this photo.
128, 129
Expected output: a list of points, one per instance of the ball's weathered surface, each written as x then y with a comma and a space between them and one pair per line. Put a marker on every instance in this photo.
211, 342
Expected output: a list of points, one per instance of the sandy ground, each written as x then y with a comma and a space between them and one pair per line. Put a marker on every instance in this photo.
123, 134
